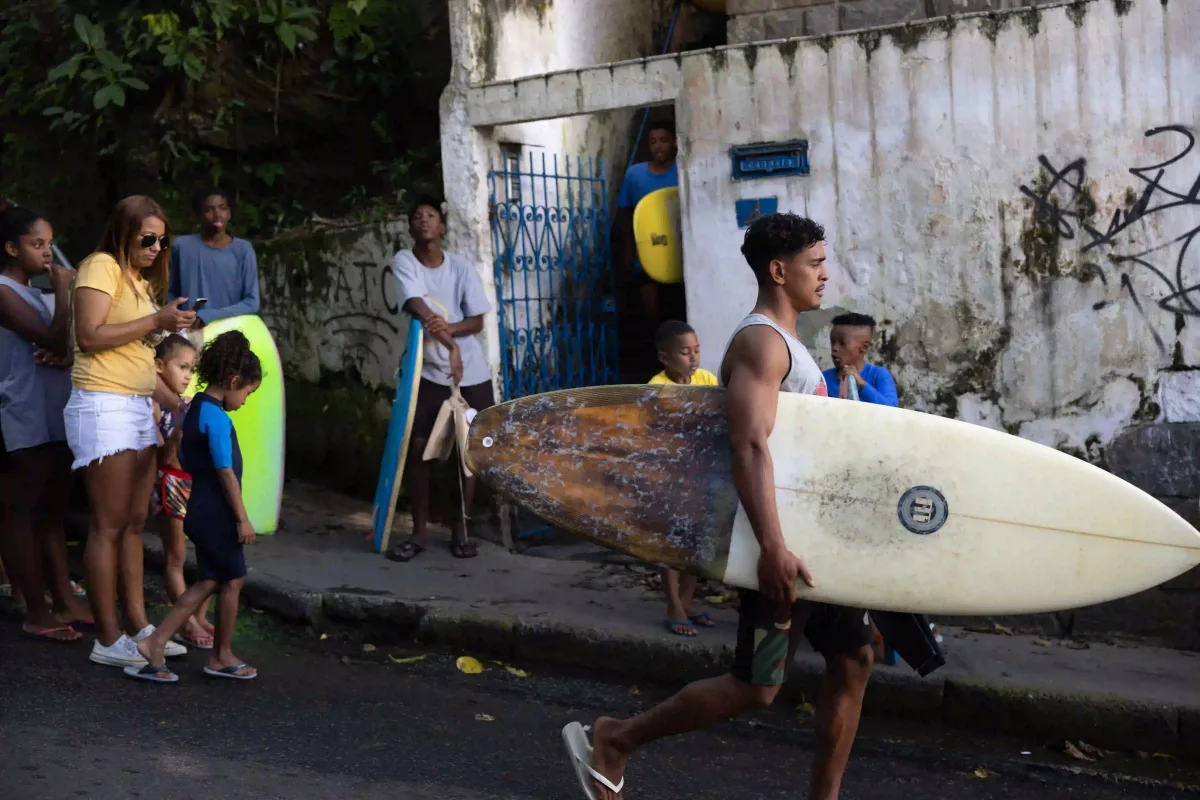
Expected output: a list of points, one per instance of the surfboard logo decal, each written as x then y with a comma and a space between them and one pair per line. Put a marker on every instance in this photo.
923, 510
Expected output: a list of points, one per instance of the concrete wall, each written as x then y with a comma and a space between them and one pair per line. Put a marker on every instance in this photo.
764, 20
501, 42
967, 175
1014, 197
516, 39
331, 304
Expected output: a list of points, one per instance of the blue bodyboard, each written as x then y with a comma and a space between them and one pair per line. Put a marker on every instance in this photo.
404, 406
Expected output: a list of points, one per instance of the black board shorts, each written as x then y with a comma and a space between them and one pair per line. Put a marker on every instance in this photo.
430, 397
768, 634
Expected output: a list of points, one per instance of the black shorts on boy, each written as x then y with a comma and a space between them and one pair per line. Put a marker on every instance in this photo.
431, 395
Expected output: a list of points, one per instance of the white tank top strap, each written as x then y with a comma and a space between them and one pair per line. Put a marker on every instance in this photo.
804, 376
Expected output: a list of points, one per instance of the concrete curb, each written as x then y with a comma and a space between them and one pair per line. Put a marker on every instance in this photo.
1107, 721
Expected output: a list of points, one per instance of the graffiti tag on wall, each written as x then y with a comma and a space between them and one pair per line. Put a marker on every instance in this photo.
1062, 205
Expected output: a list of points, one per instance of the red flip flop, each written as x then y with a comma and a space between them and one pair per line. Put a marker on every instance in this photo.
45, 635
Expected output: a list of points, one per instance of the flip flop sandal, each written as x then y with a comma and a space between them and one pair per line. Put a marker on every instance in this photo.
152, 672
703, 615
670, 626
230, 672
405, 552
45, 635
199, 642
580, 750
463, 550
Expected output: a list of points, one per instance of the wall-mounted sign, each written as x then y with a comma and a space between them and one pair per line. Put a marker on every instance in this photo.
770, 160
748, 210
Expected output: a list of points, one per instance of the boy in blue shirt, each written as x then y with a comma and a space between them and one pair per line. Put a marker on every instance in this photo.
849, 341
660, 172
214, 265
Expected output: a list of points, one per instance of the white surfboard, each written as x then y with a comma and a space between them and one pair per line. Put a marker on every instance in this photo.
891, 510
898, 510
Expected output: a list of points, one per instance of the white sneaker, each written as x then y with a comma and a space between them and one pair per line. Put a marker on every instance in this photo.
172, 650
121, 653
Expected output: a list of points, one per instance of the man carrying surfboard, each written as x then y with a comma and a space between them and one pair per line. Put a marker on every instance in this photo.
787, 254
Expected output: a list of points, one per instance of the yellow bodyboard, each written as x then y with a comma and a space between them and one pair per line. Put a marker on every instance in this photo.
657, 232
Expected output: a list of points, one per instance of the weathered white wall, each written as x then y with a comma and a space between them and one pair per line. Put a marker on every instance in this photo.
332, 303
502, 42
516, 39
920, 143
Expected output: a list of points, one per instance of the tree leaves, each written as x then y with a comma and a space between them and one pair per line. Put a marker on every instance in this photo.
287, 35
67, 69
101, 67
112, 93
84, 29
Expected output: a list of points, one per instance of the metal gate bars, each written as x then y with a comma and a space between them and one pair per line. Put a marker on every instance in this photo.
554, 281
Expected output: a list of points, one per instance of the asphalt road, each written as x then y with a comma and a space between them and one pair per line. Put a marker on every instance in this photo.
326, 720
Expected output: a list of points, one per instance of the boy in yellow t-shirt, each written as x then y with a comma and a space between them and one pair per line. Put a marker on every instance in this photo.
679, 354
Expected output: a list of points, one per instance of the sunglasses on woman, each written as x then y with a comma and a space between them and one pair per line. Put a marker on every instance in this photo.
149, 239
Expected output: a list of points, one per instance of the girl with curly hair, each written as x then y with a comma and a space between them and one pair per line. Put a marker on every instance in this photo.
216, 519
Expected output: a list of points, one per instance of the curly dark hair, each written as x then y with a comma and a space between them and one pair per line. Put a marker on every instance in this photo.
427, 200
669, 331
775, 236
199, 198
227, 357
855, 320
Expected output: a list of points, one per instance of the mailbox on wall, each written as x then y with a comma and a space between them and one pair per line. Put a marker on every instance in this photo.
769, 160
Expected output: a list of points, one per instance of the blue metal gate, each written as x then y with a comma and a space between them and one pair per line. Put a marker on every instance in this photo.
554, 278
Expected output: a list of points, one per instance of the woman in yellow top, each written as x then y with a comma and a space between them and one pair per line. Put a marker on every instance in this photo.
109, 417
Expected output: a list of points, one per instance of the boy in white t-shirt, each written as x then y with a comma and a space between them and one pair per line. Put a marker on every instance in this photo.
679, 353
445, 293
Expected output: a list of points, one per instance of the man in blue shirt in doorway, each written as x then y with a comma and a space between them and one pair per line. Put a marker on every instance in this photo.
641, 179
849, 341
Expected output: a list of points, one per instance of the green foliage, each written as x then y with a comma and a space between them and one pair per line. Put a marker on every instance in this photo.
298, 106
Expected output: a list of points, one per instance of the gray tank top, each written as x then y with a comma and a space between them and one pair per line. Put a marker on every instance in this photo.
32, 396
804, 376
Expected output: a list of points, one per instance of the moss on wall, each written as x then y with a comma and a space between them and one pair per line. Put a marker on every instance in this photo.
908, 37
1077, 11
1043, 233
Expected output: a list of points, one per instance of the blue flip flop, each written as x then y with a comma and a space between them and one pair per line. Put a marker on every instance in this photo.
669, 623
153, 673
702, 615
230, 672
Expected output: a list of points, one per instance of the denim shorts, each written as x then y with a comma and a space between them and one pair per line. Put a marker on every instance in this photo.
102, 424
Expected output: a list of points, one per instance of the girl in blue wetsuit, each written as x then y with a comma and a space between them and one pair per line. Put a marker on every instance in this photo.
216, 520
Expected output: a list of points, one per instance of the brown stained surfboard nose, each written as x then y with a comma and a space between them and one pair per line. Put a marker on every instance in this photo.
641, 469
